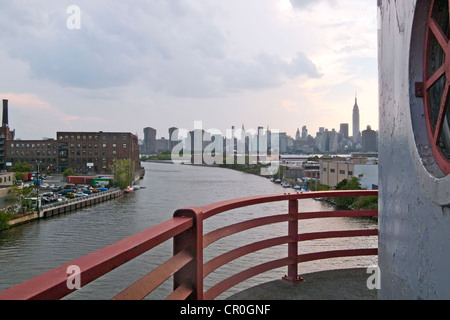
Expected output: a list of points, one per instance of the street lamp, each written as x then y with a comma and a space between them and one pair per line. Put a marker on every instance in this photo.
37, 186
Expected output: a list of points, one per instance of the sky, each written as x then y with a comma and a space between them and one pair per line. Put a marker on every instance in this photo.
126, 65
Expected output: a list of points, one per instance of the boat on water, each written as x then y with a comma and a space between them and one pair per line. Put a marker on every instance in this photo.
136, 187
128, 190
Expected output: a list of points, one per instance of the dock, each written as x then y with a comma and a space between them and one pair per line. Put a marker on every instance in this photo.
53, 209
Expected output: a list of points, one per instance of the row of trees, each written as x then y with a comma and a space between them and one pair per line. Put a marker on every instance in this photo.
367, 202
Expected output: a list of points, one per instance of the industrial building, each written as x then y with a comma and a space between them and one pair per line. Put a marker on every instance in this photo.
84, 152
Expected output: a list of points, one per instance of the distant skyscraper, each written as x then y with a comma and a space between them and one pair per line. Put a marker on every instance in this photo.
297, 134
173, 137
343, 130
369, 140
149, 145
304, 133
355, 120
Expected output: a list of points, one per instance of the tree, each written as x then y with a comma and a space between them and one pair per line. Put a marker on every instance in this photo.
21, 167
123, 173
352, 184
5, 216
68, 172
21, 196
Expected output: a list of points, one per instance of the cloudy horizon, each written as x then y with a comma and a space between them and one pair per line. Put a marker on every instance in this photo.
161, 64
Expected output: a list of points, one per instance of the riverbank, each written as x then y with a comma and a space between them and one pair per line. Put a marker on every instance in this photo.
53, 209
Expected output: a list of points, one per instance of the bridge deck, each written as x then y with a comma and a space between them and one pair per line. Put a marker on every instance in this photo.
344, 284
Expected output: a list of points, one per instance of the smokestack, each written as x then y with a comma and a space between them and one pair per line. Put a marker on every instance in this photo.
5, 113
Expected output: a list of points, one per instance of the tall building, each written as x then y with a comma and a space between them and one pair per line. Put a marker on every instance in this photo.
327, 141
355, 127
304, 133
343, 130
149, 144
297, 134
173, 137
369, 140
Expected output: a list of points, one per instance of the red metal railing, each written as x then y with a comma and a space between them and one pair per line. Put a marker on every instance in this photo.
186, 265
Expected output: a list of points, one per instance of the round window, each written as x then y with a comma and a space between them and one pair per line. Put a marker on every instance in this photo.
436, 82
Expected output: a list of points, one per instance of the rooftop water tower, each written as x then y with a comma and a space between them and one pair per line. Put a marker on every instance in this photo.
414, 149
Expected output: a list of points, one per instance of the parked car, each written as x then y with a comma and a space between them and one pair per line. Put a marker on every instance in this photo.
48, 197
66, 192
80, 194
19, 183
55, 188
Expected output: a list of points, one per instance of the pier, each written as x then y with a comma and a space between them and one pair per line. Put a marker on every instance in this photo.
77, 203
53, 209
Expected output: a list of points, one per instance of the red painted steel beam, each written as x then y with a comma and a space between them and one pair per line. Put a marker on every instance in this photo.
292, 272
53, 284
229, 256
336, 254
219, 207
182, 292
192, 241
337, 234
242, 226
435, 130
337, 214
226, 284
144, 286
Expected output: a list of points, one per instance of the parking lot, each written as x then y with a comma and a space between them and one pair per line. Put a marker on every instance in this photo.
53, 189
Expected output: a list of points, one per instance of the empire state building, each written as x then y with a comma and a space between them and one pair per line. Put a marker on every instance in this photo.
355, 121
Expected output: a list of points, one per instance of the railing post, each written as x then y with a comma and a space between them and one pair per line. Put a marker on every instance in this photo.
292, 275
192, 240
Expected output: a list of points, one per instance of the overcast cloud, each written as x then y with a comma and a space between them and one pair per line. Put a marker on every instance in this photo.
169, 63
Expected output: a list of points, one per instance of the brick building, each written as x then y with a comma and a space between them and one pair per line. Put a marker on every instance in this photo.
31, 151
84, 152
95, 152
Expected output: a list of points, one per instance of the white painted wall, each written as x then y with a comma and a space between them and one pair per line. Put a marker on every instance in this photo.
369, 172
414, 197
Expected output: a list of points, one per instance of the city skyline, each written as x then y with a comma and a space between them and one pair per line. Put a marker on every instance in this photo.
285, 65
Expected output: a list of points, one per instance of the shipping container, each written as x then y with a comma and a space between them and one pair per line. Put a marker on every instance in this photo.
80, 179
